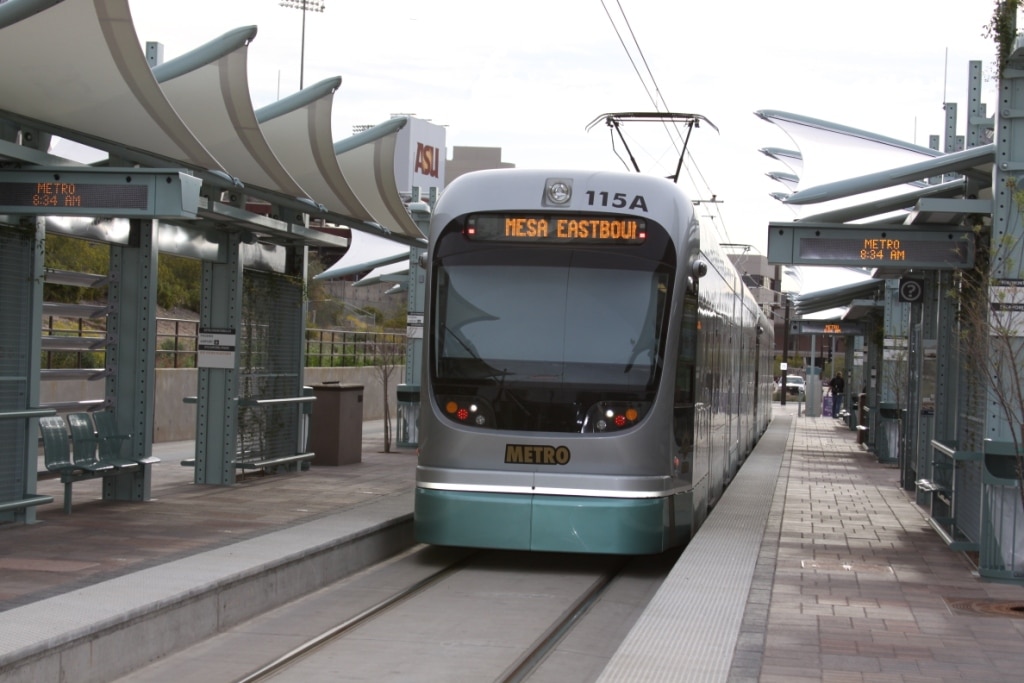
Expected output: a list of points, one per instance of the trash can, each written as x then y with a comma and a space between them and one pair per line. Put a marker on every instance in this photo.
304, 413
408, 396
887, 441
336, 425
861, 424
1001, 555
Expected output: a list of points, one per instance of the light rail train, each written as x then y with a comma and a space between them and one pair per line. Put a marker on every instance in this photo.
595, 369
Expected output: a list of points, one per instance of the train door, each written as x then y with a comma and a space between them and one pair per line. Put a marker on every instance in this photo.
690, 464
734, 361
692, 409
742, 390
755, 413
714, 355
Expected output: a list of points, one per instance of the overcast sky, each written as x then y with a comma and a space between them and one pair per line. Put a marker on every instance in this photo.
529, 76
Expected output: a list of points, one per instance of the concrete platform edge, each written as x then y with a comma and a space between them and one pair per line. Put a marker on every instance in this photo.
110, 629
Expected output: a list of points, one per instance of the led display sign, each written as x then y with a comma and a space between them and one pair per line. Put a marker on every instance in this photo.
870, 246
869, 251
836, 327
127, 192
556, 228
62, 195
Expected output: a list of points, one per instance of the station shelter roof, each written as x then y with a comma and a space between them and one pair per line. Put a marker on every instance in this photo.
92, 84
882, 182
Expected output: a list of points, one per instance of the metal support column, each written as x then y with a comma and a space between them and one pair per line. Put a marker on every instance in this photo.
912, 415
978, 121
217, 399
21, 279
812, 384
1007, 221
853, 362
947, 369
871, 377
1001, 510
892, 377
409, 393
929, 370
131, 354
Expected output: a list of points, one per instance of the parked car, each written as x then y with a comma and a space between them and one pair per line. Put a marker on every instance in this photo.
795, 385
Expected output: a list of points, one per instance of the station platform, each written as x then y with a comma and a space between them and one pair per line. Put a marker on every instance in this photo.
814, 566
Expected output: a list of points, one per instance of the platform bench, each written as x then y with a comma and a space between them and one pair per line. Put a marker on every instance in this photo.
57, 456
86, 462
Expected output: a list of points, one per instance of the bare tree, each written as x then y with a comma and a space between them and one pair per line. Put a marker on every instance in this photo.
389, 353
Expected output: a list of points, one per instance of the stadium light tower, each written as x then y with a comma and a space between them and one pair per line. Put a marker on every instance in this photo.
305, 6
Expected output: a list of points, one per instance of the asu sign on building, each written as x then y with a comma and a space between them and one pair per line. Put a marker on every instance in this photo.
419, 156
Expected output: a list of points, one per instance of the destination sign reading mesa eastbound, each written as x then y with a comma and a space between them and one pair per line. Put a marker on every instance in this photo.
827, 244
560, 228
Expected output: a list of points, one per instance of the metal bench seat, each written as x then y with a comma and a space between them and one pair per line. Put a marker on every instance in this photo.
89, 447
110, 441
57, 457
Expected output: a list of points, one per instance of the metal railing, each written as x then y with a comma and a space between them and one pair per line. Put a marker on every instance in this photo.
176, 348
346, 348
78, 345
81, 346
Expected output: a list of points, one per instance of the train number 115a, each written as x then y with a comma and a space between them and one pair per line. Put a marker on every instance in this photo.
618, 200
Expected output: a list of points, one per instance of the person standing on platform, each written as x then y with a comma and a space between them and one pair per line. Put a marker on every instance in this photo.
836, 386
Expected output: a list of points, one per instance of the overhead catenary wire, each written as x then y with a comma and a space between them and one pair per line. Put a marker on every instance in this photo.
660, 104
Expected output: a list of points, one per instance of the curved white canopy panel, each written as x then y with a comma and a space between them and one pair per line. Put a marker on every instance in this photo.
787, 180
392, 272
885, 206
81, 71
968, 159
368, 162
793, 160
366, 251
209, 88
298, 129
831, 152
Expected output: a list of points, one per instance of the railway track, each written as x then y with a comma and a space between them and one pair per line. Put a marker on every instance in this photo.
439, 614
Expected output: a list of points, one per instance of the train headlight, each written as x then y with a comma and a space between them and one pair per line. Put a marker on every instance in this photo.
557, 191
612, 416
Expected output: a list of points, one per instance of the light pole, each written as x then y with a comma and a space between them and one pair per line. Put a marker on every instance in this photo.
304, 5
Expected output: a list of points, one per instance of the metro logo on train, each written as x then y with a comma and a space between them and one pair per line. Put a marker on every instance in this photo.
556, 228
520, 454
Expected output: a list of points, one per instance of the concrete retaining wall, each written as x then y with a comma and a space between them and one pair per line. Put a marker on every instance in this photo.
175, 420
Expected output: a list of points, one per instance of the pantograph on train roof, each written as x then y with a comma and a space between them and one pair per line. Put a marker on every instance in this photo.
615, 120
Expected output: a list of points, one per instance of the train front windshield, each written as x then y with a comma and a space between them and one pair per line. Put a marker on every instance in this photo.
548, 338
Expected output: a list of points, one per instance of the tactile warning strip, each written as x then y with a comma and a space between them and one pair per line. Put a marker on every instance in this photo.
696, 615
